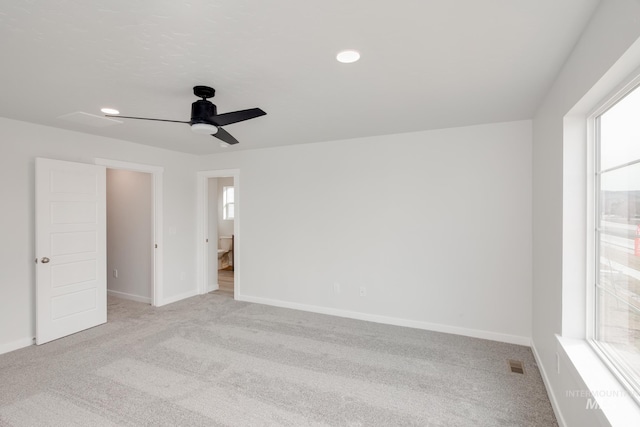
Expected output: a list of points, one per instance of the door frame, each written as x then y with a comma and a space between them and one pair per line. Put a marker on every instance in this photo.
156, 218
203, 227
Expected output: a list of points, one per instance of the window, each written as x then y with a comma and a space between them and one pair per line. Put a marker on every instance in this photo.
227, 203
616, 295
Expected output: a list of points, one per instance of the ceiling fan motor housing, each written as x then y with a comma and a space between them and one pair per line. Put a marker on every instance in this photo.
202, 111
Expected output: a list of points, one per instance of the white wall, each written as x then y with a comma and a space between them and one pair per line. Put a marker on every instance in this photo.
225, 226
21, 144
436, 225
129, 234
559, 203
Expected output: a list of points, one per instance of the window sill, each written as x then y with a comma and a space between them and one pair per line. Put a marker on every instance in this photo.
616, 403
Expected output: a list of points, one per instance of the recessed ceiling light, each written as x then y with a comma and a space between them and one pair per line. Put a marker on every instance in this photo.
348, 56
110, 111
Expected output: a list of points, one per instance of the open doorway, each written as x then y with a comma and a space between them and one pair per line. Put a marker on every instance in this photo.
130, 235
134, 231
219, 232
221, 215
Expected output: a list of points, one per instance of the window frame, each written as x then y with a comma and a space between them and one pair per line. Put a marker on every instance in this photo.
615, 365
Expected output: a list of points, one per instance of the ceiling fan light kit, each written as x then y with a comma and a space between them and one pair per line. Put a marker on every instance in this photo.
204, 117
204, 128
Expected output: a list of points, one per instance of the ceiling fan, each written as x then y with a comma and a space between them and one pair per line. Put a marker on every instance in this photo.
204, 118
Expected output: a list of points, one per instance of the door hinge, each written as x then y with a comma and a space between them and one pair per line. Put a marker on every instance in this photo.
207, 240
156, 245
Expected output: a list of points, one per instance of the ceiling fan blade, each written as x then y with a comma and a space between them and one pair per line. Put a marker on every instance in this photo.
236, 116
225, 136
143, 118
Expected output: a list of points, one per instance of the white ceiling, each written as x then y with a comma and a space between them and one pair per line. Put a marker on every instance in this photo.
425, 64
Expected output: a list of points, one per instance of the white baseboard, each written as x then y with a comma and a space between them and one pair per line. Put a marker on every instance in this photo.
547, 385
475, 333
179, 297
16, 345
130, 297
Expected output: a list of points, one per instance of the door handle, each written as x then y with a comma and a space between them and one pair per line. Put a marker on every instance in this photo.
45, 260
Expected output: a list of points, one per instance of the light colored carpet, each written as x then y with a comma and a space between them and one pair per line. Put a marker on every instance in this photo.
210, 360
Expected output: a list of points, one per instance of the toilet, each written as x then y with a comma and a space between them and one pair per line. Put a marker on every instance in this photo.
225, 246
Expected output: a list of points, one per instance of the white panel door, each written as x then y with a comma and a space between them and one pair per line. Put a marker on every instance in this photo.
71, 248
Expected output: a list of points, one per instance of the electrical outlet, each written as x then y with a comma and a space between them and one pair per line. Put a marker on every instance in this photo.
115, 273
336, 288
363, 291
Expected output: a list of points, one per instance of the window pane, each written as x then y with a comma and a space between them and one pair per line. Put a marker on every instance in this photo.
620, 197
619, 324
617, 296
620, 132
227, 211
227, 195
